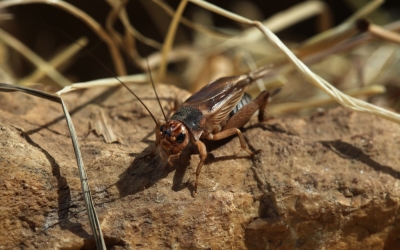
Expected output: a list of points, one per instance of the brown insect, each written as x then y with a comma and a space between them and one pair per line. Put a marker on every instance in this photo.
215, 112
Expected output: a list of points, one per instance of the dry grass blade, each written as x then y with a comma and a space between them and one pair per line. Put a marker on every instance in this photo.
347, 44
88, 20
281, 21
55, 62
313, 55
128, 41
331, 38
298, 13
380, 32
337, 33
106, 82
100, 126
112, 18
94, 222
169, 40
376, 62
123, 16
190, 24
34, 58
283, 108
343, 99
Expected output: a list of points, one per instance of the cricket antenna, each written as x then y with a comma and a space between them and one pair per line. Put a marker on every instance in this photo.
126, 86
115, 76
154, 88
151, 78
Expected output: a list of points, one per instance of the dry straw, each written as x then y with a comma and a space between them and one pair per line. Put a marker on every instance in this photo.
311, 77
41, 64
257, 31
57, 61
88, 20
93, 219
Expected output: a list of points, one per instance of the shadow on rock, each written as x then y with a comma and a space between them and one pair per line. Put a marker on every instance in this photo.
97, 99
269, 229
347, 150
145, 171
64, 195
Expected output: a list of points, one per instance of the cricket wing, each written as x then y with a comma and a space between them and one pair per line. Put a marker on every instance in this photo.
214, 95
218, 98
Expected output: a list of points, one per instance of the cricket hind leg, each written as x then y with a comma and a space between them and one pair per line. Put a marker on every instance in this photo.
232, 127
227, 133
261, 113
241, 117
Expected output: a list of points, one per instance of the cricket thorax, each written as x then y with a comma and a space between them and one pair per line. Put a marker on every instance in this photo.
174, 136
193, 119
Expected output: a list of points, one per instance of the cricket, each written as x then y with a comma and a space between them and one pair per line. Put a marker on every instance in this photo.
215, 112
205, 154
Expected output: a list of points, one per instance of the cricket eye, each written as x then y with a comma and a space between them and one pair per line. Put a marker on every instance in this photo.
180, 138
161, 128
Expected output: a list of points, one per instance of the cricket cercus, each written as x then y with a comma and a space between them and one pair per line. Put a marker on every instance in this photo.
215, 112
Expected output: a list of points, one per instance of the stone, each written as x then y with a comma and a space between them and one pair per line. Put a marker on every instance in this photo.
328, 181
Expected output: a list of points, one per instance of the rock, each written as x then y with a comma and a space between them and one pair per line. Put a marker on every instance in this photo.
329, 181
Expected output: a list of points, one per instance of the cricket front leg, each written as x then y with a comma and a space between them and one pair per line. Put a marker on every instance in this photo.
203, 155
151, 153
172, 158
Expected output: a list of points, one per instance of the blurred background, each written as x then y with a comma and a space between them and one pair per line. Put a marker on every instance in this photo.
47, 30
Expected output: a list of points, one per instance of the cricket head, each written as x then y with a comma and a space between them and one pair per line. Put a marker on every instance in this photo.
173, 136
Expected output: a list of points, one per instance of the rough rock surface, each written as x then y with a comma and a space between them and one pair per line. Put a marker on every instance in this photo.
330, 181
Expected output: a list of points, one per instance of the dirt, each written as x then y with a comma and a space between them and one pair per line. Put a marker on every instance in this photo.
330, 181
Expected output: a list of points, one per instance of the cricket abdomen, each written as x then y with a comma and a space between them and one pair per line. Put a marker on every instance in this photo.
246, 99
